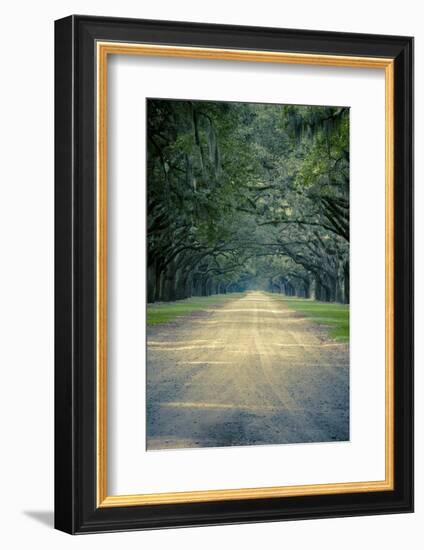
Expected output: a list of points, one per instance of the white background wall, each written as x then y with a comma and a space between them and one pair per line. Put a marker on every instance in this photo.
26, 272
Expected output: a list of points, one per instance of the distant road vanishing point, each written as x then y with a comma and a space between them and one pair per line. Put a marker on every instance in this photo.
250, 372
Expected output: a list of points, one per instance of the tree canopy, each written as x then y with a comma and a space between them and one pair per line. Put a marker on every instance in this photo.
243, 195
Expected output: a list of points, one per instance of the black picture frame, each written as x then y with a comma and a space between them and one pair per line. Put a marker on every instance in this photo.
76, 510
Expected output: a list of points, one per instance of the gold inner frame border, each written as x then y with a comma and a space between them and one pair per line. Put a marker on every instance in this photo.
103, 50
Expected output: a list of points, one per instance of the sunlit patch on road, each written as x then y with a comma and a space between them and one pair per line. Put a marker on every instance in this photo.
231, 406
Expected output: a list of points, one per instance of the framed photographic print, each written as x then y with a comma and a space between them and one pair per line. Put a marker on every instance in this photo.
233, 274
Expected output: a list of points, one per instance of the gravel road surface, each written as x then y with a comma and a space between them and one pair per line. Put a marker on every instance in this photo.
249, 372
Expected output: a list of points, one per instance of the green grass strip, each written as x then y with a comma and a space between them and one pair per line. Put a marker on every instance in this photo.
164, 312
333, 316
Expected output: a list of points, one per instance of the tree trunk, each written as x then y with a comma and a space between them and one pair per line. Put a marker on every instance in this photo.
307, 288
346, 283
158, 284
168, 290
151, 282
205, 287
160, 287
197, 286
179, 285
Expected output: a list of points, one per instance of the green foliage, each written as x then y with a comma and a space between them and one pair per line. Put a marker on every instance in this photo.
247, 194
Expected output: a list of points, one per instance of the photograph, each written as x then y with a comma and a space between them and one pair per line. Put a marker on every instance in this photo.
233, 267
247, 274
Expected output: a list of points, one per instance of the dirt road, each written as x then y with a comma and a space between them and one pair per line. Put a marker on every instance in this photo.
249, 372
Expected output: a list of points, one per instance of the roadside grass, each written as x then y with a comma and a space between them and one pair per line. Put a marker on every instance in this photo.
164, 312
333, 316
